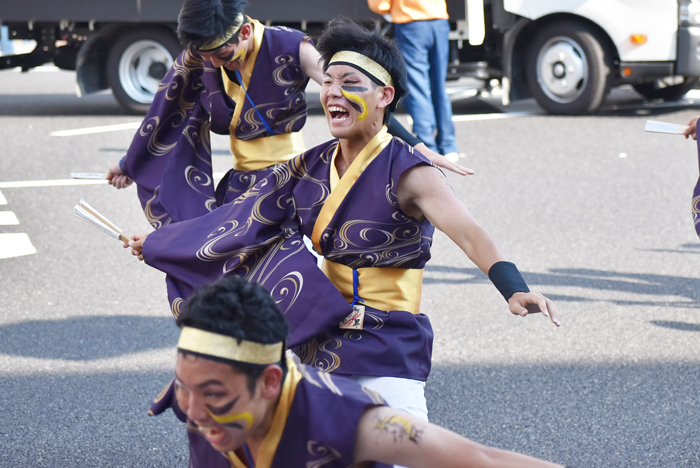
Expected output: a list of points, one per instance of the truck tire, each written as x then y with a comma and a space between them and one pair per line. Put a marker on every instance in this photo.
567, 69
663, 89
137, 63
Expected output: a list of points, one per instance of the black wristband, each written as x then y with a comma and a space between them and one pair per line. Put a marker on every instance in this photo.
507, 279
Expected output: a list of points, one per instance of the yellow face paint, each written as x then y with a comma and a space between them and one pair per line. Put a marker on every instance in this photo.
240, 55
359, 101
234, 417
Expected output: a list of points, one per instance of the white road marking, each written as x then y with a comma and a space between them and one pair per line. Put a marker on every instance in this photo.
494, 116
8, 218
3, 200
92, 130
15, 245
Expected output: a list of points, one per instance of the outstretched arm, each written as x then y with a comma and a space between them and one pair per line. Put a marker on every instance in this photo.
391, 436
424, 194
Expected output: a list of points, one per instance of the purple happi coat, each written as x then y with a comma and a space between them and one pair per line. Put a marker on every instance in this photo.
366, 232
315, 421
170, 155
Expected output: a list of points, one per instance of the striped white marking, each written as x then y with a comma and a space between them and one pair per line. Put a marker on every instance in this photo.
15, 245
92, 130
3, 200
8, 218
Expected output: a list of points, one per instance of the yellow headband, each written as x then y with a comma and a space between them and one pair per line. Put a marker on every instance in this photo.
225, 347
365, 64
218, 42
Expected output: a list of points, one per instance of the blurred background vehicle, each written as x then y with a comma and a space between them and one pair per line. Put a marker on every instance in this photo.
567, 54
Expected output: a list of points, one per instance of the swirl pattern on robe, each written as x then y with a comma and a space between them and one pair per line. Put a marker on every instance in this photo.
248, 237
327, 455
173, 145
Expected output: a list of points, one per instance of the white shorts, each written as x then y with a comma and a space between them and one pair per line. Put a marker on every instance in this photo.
403, 394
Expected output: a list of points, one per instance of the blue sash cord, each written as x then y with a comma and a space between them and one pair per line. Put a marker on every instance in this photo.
355, 285
262, 119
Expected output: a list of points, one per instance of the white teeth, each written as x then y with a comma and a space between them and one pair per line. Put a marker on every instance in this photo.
336, 109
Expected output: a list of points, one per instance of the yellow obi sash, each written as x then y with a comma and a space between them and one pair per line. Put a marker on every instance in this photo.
279, 421
380, 288
259, 153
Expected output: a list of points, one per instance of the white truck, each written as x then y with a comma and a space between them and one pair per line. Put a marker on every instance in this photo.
565, 53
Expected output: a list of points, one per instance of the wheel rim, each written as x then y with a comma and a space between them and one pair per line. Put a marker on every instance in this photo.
562, 69
141, 69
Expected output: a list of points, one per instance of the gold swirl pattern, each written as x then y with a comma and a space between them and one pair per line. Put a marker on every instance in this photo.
307, 352
696, 211
285, 62
316, 449
196, 179
377, 252
310, 351
378, 321
154, 220
207, 253
176, 306
284, 113
196, 135
251, 127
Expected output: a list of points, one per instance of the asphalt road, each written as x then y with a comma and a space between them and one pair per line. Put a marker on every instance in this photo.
595, 212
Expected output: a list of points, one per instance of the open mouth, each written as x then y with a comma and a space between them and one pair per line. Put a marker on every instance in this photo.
338, 114
214, 435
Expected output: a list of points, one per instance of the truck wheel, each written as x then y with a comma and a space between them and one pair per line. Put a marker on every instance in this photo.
137, 63
668, 89
567, 69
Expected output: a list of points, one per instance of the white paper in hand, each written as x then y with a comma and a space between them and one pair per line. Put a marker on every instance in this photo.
87, 175
664, 127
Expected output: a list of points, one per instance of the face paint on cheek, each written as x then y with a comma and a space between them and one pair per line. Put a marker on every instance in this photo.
240, 55
233, 420
357, 103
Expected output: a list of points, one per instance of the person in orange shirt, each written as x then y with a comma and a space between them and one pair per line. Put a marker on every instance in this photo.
421, 31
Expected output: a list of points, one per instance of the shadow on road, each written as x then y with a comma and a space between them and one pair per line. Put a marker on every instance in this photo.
91, 338
607, 416
637, 283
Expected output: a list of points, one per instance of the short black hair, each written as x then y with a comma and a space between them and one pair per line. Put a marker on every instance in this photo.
344, 34
202, 21
242, 310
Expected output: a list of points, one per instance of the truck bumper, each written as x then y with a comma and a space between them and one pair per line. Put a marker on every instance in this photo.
688, 63
635, 72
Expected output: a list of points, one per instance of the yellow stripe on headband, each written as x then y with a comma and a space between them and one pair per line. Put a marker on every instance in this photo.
225, 347
230, 32
364, 63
